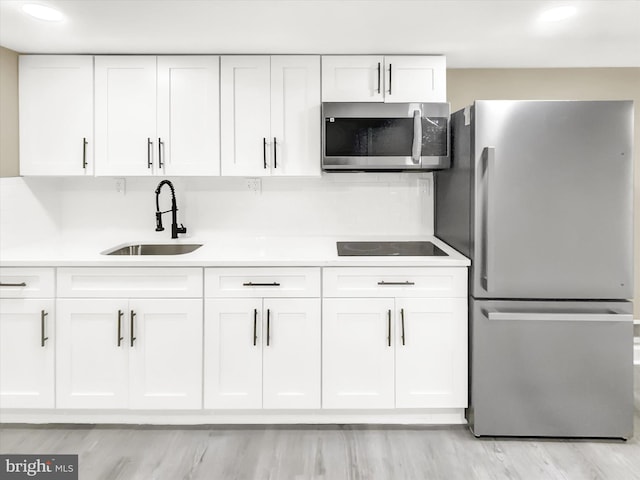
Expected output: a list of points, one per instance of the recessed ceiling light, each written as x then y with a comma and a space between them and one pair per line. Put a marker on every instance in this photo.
42, 12
557, 14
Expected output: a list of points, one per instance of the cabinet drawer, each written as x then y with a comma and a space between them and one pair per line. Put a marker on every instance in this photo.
26, 282
262, 282
395, 282
129, 282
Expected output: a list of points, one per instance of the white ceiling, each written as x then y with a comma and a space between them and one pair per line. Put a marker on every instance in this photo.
472, 33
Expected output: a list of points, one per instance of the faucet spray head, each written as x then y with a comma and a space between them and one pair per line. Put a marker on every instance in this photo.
159, 227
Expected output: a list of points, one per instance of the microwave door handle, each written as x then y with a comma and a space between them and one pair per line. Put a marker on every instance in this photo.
416, 148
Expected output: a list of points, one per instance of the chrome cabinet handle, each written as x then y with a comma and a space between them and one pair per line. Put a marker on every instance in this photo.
160, 148
389, 328
120, 337
275, 154
255, 326
251, 284
84, 152
402, 323
21, 284
389, 79
264, 151
149, 147
133, 337
43, 338
416, 146
383, 283
379, 81
268, 326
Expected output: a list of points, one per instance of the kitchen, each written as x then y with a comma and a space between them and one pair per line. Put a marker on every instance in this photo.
253, 220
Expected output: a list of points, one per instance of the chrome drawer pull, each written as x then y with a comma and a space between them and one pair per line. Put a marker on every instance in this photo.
22, 284
251, 284
255, 326
396, 283
120, 337
43, 338
132, 337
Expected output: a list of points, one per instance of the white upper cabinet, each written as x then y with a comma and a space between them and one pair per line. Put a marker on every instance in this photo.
157, 115
415, 79
270, 110
56, 115
348, 78
125, 96
367, 78
188, 115
244, 109
295, 115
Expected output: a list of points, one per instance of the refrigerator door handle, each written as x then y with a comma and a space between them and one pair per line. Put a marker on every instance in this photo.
561, 317
489, 159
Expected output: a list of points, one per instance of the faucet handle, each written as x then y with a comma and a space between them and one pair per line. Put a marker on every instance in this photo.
182, 229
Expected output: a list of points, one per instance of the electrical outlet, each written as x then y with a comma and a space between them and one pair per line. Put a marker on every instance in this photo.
121, 186
424, 186
254, 185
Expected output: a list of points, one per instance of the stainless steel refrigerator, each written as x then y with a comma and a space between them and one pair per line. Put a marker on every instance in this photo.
540, 197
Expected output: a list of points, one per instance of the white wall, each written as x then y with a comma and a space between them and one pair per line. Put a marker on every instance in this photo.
335, 204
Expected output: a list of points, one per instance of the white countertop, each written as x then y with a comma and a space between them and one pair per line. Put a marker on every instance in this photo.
84, 250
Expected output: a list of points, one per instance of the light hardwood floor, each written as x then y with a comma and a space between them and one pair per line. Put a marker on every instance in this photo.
324, 452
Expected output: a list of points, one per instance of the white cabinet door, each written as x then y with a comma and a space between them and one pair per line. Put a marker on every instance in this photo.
348, 78
26, 353
125, 115
358, 353
368, 78
295, 115
415, 79
233, 353
165, 357
431, 353
244, 110
56, 114
188, 115
291, 353
92, 354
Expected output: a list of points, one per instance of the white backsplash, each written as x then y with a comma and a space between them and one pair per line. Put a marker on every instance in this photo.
334, 204
29, 211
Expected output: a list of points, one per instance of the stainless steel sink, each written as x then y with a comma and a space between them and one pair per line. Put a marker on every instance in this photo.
153, 249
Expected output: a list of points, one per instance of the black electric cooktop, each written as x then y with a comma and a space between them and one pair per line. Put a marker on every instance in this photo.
384, 249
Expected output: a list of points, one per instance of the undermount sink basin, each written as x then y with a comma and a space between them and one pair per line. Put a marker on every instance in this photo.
153, 249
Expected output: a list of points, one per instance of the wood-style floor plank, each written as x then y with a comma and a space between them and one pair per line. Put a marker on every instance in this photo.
338, 452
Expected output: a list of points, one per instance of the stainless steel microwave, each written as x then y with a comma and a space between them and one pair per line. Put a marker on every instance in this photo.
385, 136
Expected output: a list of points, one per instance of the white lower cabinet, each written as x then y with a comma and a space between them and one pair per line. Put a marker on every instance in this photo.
27, 353
394, 353
358, 360
137, 353
27, 338
262, 353
394, 350
229, 338
431, 352
262, 338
